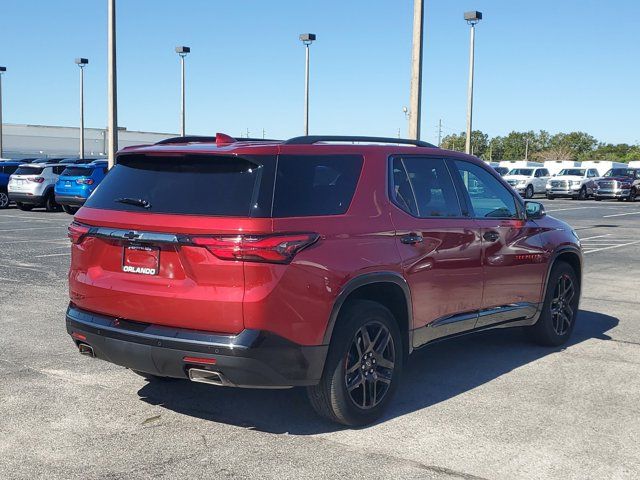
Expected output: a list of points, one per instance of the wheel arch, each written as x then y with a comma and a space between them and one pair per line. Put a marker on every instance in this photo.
570, 255
387, 288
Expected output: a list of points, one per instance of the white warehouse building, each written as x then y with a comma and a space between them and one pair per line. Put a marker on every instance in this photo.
21, 141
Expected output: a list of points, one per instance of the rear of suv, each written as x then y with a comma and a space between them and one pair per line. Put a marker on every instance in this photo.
77, 182
7, 168
32, 185
309, 263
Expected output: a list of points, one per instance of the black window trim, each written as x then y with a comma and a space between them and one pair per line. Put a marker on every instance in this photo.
463, 207
519, 203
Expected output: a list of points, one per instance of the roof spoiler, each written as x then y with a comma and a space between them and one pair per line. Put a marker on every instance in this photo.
220, 140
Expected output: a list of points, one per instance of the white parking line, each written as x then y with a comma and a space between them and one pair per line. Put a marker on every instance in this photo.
53, 255
612, 246
32, 228
51, 240
565, 209
621, 214
595, 236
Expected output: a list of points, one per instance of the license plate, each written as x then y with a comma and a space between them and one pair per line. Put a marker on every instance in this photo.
67, 184
141, 259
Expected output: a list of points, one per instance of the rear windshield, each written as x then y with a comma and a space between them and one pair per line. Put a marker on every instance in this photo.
216, 185
77, 171
194, 184
29, 171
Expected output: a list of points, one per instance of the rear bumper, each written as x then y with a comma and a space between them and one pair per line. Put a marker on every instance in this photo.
72, 200
26, 198
252, 358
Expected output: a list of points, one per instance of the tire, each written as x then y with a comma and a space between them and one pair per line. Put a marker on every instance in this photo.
25, 207
550, 197
621, 199
582, 194
69, 210
4, 200
559, 312
633, 194
50, 204
597, 199
528, 193
382, 362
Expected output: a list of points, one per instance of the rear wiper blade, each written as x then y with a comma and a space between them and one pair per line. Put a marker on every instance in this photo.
139, 202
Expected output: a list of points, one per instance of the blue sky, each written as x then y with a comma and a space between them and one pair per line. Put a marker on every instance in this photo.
555, 65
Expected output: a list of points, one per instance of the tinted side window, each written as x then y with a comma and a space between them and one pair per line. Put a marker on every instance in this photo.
58, 170
311, 185
488, 197
423, 187
10, 169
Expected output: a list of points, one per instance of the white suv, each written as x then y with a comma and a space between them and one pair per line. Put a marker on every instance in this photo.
32, 186
528, 181
573, 182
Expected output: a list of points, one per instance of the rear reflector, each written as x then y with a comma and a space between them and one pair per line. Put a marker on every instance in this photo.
76, 232
78, 336
200, 360
279, 248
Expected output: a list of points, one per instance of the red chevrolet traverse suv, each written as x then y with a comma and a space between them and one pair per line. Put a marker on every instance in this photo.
317, 261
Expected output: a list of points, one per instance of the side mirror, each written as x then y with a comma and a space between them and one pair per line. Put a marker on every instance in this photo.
534, 210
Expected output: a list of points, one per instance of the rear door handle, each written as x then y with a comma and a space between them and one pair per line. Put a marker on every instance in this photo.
491, 236
411, 239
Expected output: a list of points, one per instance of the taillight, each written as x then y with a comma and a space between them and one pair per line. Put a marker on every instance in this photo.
36, 179
84, 181
279, 248
76, 232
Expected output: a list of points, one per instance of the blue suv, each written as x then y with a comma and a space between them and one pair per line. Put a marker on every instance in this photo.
7, 168
77, 182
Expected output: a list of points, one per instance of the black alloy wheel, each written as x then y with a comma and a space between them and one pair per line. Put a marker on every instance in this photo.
369, 365
562, 313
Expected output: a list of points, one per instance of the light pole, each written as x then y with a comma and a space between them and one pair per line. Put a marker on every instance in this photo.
2, 70
182, 51
81, 62
415, 101
472, 18
112, 90
307, 39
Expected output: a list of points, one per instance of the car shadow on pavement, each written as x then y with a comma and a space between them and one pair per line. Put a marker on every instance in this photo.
434, 374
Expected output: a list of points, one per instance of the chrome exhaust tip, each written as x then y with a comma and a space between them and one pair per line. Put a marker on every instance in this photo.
209, 377
86, 350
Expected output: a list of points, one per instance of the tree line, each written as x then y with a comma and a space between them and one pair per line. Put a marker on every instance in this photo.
542, 146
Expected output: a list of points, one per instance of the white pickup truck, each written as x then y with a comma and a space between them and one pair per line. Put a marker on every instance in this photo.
528, 181
572, 182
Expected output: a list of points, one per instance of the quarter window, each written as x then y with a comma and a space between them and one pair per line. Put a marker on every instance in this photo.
488, 197
423, 187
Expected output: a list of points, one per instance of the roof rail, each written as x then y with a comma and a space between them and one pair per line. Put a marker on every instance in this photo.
311, 139
208, 139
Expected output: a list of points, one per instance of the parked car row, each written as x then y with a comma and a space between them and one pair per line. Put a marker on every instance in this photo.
577, 183
52, 183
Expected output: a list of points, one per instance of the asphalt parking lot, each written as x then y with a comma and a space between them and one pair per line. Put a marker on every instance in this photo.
487, 406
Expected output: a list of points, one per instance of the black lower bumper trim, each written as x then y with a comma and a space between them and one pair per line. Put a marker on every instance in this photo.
26, 198
70, 200
252, 358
